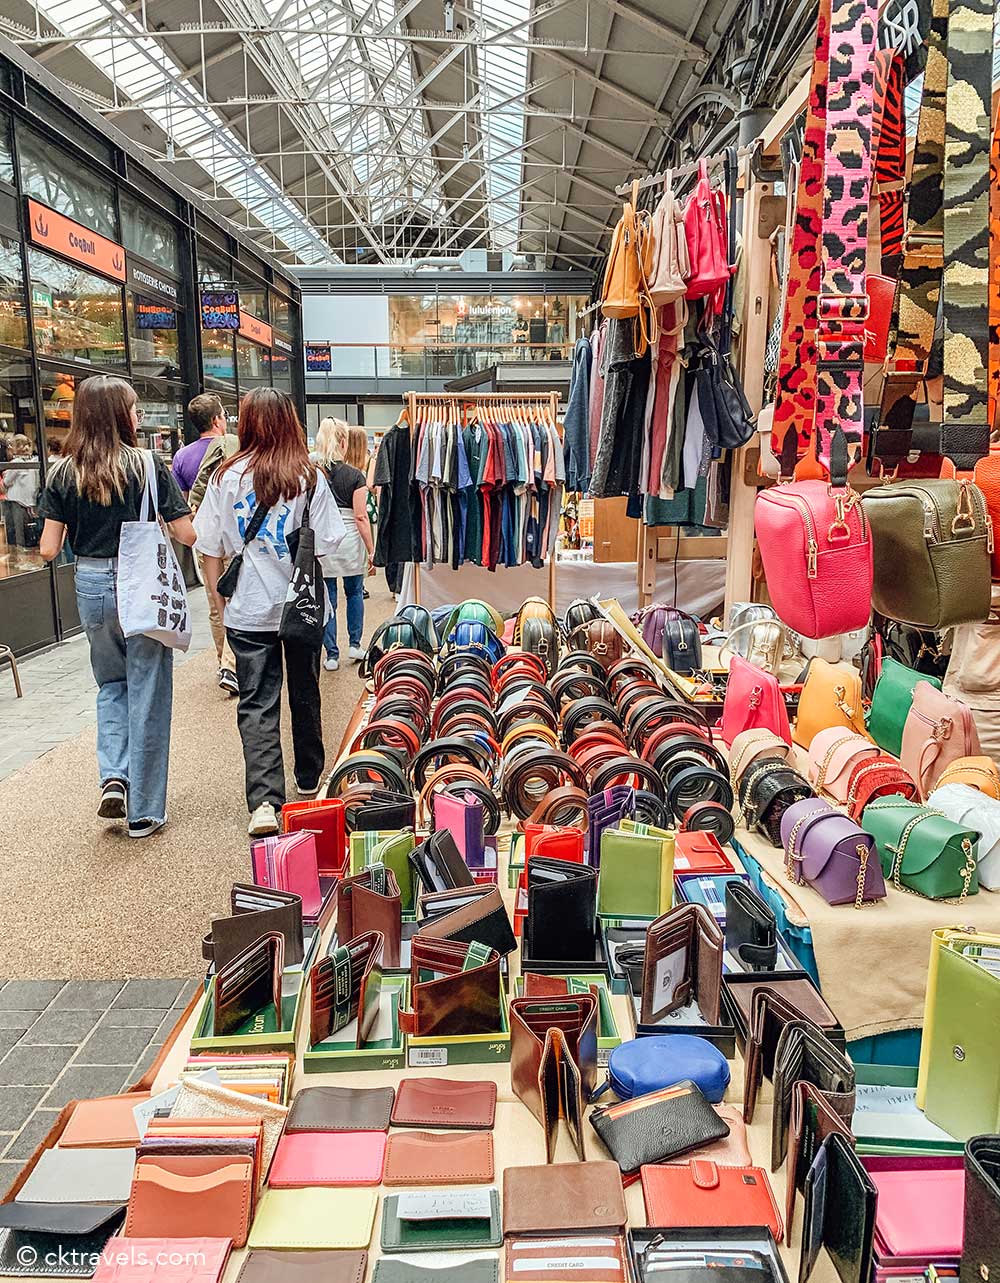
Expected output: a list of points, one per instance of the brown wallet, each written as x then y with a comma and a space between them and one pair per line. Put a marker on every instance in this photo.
770, 1010
564, 1198
682, 962
553, 1061
249, 984
446, 999
812, 1119
191, 1196
428, 1158
303, 1267
445, 1102
346, 985
371, 901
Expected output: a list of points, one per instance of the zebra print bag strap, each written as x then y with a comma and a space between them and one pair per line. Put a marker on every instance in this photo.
889, 148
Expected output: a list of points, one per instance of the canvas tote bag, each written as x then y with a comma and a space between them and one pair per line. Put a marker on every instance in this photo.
152, 599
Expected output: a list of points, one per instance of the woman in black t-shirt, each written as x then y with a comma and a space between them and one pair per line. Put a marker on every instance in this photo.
353, 557
96, 487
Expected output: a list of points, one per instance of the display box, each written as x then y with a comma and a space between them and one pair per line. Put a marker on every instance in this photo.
262, 1032
886, 1118
689, 1020
385, 1050
614, 938
608, 1034
708, 889
465, 1049
566, 966
731, 1238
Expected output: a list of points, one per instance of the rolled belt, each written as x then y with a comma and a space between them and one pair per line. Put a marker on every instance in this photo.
568, 801
548, 768
358, 766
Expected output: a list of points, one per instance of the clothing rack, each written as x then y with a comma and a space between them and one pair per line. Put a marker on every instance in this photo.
680, 171
546, 400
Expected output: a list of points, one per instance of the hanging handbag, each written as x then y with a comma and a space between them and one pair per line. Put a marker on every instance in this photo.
966, 806
938, 730
625, 291
830, 853
670, 266
303, 616
987, 478
705, 231
879, 776
833, 756
767, 790
921, 850
940, 531
753, 702
979, 773
891, 702
831, 696
761, 642
671, 634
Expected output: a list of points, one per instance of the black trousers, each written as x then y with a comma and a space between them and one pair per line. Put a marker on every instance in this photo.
258, 713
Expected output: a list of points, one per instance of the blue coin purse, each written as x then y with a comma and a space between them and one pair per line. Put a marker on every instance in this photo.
647, 1064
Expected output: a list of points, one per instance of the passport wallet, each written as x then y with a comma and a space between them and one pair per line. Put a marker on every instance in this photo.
462, 817
454, 989
562, 910
839, 1213
340, 1109
315, 1219
344, 986
445, 1102
466, 914
249, 986
371, 901
443, 1220
682, 963
553, 1061
427, 1158
323, 817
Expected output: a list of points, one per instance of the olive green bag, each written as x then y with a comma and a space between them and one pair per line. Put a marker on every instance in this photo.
931, 546
891, 700
921, 850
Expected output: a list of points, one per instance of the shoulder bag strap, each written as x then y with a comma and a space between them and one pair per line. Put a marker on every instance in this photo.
994, 366
889, 149
730, 172
256, 521
149, 509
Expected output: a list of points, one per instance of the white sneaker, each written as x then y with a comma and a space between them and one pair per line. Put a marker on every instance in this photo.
263, 821
330, 664
357, 653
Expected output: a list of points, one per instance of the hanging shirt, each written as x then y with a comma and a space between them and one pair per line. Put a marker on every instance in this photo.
398, 531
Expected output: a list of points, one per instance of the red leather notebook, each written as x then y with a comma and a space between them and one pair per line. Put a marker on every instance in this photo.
705, 1194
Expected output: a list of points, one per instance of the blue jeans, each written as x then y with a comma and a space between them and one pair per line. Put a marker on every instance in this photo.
135, 679
354, 587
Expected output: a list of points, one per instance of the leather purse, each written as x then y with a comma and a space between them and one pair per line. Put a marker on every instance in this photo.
753, 701
374, 846
673, 635
553, 1061
978, 773
562, 911
659, 1126
811, 1121
698, 852
805, 1054
438, 863
463, 818
923, 851
941, 532
891, 702
748, 746
249, 985
767, 790
831, 696
839, 1212
563, 1198
817, 552
920, 1205
938, 730
454, 989
604, 811
426, 1158
971, 809
445, 1102
829, 852
191, 1196
383, 811
682, 963
288, 862
705, 1194
467, 914
751, 929
370, 901
981, 1250
256, 912
344, 986
600, 639
833, 755
636, 877
761, 641
555, 841
880, 776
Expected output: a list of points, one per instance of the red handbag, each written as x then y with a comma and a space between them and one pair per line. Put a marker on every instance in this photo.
880, 776
753, 701
987, 478
707, 239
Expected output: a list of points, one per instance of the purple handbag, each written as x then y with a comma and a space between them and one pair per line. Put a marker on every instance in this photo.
604, 810
827, 850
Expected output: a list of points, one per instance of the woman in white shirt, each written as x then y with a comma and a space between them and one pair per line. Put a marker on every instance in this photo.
270, 469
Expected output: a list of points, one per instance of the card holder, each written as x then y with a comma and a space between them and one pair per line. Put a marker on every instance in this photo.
438, 863
191, 1197
441, 1220
249, 984
426, 1158
346, 985
596, 1258
256, 912
445, 1102
340, 1109
74, 1234
812, 1120
683, 961
658, 1126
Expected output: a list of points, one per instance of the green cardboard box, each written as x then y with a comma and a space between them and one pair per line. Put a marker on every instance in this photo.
467, 1049
386, 1051
262, 1032
886, 1118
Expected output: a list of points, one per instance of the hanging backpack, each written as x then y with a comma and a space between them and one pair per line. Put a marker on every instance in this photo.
536, 630
670, 266
625, 292
705, 230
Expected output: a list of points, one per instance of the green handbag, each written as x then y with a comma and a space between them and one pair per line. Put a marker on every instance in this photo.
891, 702
921, 850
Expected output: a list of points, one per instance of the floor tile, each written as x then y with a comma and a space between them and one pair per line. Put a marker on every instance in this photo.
81, 1082
34, 1066
147, 993
16, 1106
112, 1046
28, 995
8, 1171
19, 1020
8, 1037
133, 1018
32, 1134
87, 995
60, 1028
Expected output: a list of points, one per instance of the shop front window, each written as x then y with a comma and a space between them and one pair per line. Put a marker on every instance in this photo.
213, 268
281, 313
20, 473
13, 313
153, 337
217, 360
281, 371
162, 427
76, 315
6, 151
253, 298
149, 235
59, 181
254, 366
413, 328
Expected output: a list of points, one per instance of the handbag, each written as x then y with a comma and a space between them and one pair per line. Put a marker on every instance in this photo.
748, 746
625, 290
978, 773
670, 265
152, 599
830, 853
987, 478
880, 776
303, 615
921, 850
891, 702
707, 241
833, 755
914, 648
642, 1065
817, 553
940, 531
672, 635
600, 639
760, 641
753, 701
831, 696
970, 808
767, 790
230, 576
937, 731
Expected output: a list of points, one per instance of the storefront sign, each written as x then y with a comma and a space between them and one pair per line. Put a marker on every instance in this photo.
281, 344
154, 316
319, 358
254, 330
40, 297
147, 281
74, 241
220, 310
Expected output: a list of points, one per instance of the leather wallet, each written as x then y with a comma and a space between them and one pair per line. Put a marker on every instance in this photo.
804, 1053
427, 1158
763, 1010
249, 985
637, 872
475, 1271
391, 849
160, 1260
699, 851
597, 1258
303, 1267
556, 841
314, 1219
371, 901
191, 1195
839, 1213
577, 1197
201, 1100
658, 1126
462, 817
682, 962
920, 1210
289, 862
425, 1220
340, 1109
256, 912
105, 1122
445, 1102
323, 817
438, 863
981, 1253
553, 1061
382, 809
79, 1176
467, 914
562, 910
706, 1194
344, 986
454, 989
76, 1233
751, 929
321, 1158
604, 811
730, 1151
812, 1120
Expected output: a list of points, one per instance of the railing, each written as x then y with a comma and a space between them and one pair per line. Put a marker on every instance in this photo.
431, 361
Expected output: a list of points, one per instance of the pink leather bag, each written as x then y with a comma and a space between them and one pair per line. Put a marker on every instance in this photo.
753, 700
937, 731
833, 755
816, 547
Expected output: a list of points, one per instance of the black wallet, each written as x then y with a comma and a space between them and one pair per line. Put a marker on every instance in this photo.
751, 929
805, 1054
466, 914
438, 863
562, 910
839, 1213
257, 911
981, 1254
384, 811
658, 1126
74, 1234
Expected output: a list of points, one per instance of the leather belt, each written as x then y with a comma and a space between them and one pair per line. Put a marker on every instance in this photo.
449, 748
582, 661
525, 688
647, 716
545, 767
687, 751
627, 769
526, 731
530, 709
578, 715
387, 732
634, 692
664, 734
360, 767
709, 817
570, 685
409, 687
517, 662
411, 662
648, 808
554, 809
399, 706
629, 669
697, 783
462, 661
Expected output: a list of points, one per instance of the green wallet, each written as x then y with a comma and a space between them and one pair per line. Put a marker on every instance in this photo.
636, 878
391, 848
476, 1271
436, 1220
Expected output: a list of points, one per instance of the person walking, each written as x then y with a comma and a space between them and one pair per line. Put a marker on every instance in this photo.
352, 560
254, 504
214, 443
91, 492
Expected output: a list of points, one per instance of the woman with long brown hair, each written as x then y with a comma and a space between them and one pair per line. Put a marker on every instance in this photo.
254, 505
91, 491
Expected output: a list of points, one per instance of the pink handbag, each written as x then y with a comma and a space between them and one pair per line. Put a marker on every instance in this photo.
937, 731
817, 553
753, 700
833, 755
